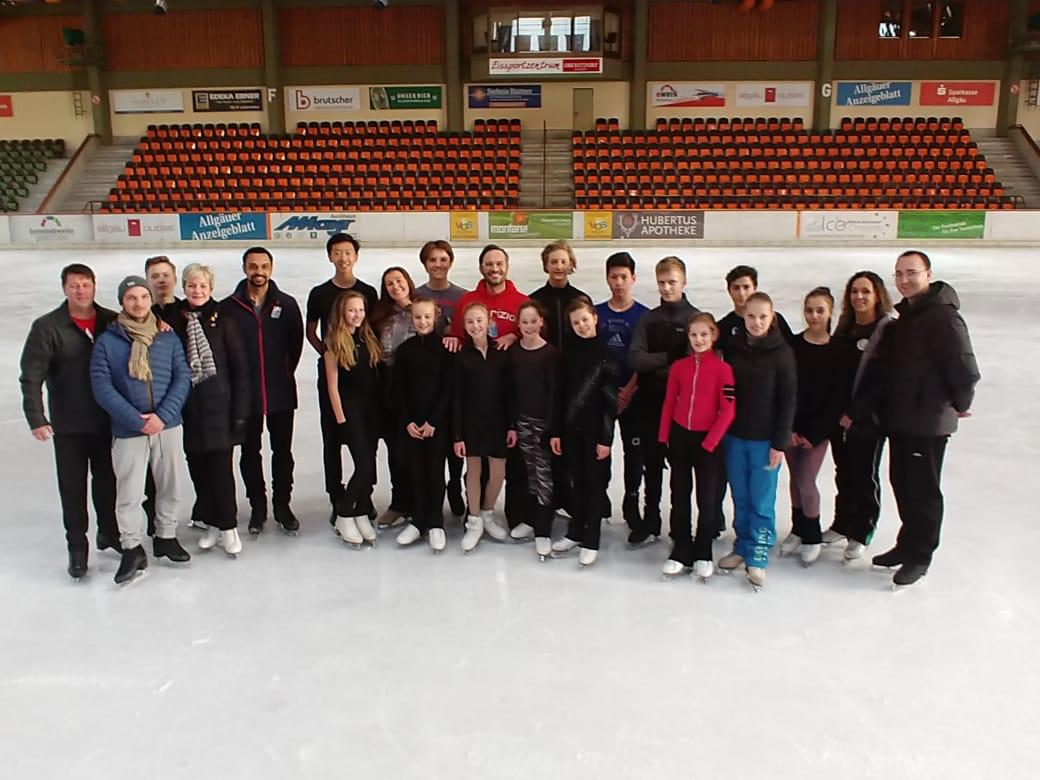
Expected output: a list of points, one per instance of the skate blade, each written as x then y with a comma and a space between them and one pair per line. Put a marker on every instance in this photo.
140, 574
704, 580
289, 532
563, 553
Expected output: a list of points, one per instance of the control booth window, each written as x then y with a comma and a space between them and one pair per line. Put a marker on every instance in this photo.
525, 32
921, 19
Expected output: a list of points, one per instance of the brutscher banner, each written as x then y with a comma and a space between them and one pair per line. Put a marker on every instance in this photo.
658, 224
211, 100
223, 226
942, 224
530, 224
383, 98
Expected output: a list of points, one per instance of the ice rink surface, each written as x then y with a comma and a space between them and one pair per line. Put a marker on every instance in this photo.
305, 659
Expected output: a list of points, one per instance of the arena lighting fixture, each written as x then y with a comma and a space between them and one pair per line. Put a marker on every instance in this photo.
160, 7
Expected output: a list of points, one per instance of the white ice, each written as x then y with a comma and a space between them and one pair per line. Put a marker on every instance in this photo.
304, 659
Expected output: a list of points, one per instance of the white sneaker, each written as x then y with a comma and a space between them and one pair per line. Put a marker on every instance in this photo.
831, 536
409, 535
436, 539
348, 530
587, 557
853, 550
809, 553
672, 568
790, 544
543, 547
210, 538
703, 569
564, 546
364, 526
522, 533
474, 531
231, 542
492, 527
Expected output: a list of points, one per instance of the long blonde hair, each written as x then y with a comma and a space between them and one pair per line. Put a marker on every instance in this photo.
340, 341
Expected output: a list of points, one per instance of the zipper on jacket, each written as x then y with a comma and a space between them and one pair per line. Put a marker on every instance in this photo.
693, 392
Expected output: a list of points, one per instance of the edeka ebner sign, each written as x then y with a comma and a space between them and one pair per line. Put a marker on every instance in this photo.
658, 224
224, 226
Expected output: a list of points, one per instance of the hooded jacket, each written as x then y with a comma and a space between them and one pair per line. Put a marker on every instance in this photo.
766, 382
699, 397
502, 308
925, 371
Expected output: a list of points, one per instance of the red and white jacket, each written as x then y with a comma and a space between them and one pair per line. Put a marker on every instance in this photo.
700, 397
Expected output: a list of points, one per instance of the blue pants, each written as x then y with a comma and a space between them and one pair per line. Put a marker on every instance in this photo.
753, 486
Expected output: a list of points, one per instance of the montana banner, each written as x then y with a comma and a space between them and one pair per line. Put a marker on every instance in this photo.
393, 98
224, 226
212, 101
942, 224
311, 226
548, 225
658, 224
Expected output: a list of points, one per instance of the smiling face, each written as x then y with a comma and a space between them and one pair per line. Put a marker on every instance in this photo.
912, 277
817, 312
476, 323
758, 316
438, 263
701, 336
79, 291
397, 288
354, 311
137, 303
530, 322
670, 285
559, 266
863, 297
162, 279
258, 269
344, 257
620, 282
424, 317
494, 268
740, 289
197, 290
584, 323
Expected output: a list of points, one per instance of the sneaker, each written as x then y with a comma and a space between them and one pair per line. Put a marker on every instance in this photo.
492, 527
77, 564
703, 569
231, 541
830, 536
790, 544
564, 546
853, 550
134, 561
209, 539
909, 573
409, 535
522, 533
436, 539
731, 561
170, 548
890, 559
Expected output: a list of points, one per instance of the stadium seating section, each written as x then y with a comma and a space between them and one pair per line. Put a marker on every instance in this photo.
775, 163
20, 165
323, 166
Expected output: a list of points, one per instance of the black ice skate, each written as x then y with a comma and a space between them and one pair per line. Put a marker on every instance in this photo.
286, 520
132, 566
908, 574
257, 518
888, 560
107, 543
171, 549
77, 564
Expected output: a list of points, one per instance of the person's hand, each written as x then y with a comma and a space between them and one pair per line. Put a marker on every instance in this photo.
153, 424
43, 433
795, 440
963, 415
510, 438
623, 400
556, 445
602, 452
427, 430
506, 341
776, 457
460, 449
164, 326
845, 422
414, 431
451, 343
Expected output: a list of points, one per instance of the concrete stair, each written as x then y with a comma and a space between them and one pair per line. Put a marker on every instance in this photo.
98, 177
1011, 169
546, 170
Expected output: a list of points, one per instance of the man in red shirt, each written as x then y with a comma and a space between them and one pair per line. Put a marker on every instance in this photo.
497, 293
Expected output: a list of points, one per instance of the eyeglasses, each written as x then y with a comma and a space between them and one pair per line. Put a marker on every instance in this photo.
913, 272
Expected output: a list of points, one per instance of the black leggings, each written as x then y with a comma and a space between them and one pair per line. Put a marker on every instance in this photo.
214, 479
358, 434
689, 458
857, 502
588, 482
424, 461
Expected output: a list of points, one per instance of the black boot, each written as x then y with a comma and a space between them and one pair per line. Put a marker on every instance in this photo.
909, 573
77, 563
134, 561
456, 503
257, 518
283, 515
107, 543
890, 559
170, 548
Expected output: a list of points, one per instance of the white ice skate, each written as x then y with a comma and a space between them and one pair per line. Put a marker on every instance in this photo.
209, 539
231, 542
728, 563
702, 570
756, 576
672, 569
492, 527
809, 553
830, 536
587, 557
348, 531
437, 540
409, 535
474, 532
790, 544
522, 533
564, 546
543, 547
853, 550
364, 526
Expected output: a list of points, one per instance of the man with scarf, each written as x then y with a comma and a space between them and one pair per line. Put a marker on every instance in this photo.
139, 375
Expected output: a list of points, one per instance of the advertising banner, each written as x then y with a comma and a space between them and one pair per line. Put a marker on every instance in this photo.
393, 98
212, 101
788, 94
52, 229
6, 106
848, 225
658, 224
144, 101
531, 66
5, 230
464, 226
223, 226
548, 225
511, 96
325, 98
599, 226
136, 228
958, 93
687, 94
942, 224
873, 93
311, 226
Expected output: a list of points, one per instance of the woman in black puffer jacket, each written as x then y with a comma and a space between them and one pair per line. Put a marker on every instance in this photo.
218, 405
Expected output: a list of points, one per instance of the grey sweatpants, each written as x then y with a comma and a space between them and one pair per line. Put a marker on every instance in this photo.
131, 458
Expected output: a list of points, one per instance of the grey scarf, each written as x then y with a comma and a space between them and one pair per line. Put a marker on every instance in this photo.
200, 356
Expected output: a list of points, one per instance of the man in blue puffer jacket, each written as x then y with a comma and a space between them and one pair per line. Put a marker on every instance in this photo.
139, 375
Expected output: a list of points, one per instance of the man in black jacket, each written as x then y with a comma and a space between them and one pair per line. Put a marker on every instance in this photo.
57, 353
921, 383
272, 330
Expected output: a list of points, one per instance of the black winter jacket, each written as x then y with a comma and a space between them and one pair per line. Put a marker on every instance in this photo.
558, 331
57, 353
423, 387
925, 370
273, 341
217, 408
658, 341
589, 387
766, 381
